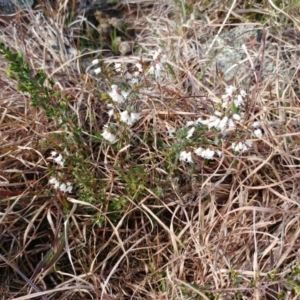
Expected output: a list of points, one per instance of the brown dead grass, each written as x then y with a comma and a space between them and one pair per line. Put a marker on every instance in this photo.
225, 229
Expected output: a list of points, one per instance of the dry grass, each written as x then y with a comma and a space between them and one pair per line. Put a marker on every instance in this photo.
140, 223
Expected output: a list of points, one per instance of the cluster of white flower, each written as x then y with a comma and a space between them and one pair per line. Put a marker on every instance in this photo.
129, 117
108, 135
159, 58
134, 76
57, 158
117, 95
97, 70
228, 119
220, 122
257, 132
241, 146
64, 187
204, 153
229, 97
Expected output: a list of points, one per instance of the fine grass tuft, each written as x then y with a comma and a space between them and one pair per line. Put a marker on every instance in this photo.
156, 175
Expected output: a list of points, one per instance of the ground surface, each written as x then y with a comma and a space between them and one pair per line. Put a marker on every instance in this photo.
168, 170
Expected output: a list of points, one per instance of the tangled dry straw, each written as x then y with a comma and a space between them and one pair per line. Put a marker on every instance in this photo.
221, 228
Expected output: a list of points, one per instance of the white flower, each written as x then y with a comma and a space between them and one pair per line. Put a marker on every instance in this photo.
95, 62
117, 95
54, 182
134, 81
139, 67
190, 123
118, 67
129, 117
214, 121
218, 113
256, 124
223, 123
236, 117
238, 101
107, 135
258, 133
190, 133
243, 93
219, 153
171, 132
157, 54
198, 151
229, 90
208, 154
111, 112
185, 156
64, 187
158, 60
97, 71
58, 158
231, 124
155, 70
128, 75
240, 146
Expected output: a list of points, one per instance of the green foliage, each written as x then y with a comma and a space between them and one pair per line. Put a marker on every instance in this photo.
34, 84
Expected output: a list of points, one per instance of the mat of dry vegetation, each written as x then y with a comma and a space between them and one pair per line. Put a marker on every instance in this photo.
171, 172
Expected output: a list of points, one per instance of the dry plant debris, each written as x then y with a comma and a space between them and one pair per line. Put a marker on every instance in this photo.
150, 175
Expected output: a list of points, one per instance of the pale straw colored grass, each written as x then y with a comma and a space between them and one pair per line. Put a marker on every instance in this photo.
235, 217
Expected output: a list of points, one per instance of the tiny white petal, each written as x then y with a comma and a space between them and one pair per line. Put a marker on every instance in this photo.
59, 160
198, 151
190, 123
139, 67
151, 70
117, 96
190, 133
219, 153
129, 117
256, 124
231, 124
63, 187
107, 135
97, 71
134, 81
243, 93
156, 54
69, 187
208, 154
52, 180
128, 75
218, 113
111, 112
171, 132
258, 133
222, 124
95, 61
249, 143
236, 117
201, 121
214, 122
229, 90
238, 101
185, 156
